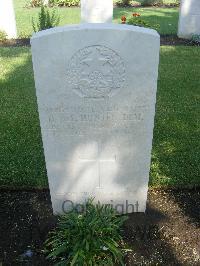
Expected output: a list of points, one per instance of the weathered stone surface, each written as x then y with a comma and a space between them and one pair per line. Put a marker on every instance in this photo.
7, 18
96, 11
96, 91
189, 18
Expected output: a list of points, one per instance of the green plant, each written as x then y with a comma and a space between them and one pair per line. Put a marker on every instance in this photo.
90, 238
136, 20
123, 3
152, 2
196, 38
46, 20
67, 3
3, 36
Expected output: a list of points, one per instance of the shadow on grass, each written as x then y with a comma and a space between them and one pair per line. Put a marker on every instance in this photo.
175, 156
176, 149
21, 156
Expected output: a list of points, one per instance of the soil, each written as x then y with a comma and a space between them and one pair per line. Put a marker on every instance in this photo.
173, 40
164, 40
168, 234
15, 42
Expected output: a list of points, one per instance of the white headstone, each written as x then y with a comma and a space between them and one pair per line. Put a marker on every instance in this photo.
189, 18
7, 18
96, 11
96, 92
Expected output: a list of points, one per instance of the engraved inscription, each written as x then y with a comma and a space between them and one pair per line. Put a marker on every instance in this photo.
82, 120
96, 72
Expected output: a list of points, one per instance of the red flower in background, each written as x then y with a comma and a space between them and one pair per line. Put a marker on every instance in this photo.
123, 19
136, 15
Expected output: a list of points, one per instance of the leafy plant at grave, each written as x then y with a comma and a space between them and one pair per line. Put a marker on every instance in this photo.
136, 20
66, 3
90, 238
196, 38
46, 19
3, 36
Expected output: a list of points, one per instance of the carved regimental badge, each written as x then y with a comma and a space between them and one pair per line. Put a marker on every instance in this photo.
96, 72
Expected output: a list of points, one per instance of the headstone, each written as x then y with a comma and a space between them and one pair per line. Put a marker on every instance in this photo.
7, 18
96, 92
189, 19
96, 11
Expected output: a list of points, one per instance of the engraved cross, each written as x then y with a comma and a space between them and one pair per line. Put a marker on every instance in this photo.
95, 62
98, 159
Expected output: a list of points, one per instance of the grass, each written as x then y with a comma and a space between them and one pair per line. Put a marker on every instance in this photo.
21, 155
167, 18
175, 156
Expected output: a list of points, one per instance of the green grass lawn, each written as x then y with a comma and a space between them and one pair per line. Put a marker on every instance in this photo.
175, 156
167, 18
